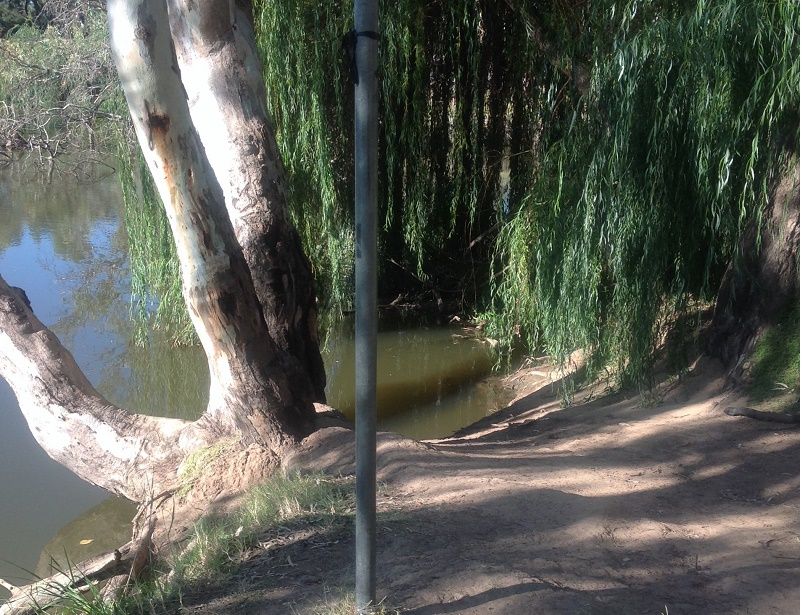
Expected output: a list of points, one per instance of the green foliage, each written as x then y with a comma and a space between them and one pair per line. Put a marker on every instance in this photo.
302, 83
775, 360
644, 187
156, 298
573, 218
344, 603
12, 15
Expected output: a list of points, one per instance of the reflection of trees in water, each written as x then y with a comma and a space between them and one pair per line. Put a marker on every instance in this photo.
63, 209
83, 221
159, 379
156, 378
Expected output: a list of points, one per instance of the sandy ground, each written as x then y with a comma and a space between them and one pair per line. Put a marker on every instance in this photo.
610, 506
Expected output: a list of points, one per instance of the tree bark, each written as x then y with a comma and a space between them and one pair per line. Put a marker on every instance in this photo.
216, 51
252, 391
756, 290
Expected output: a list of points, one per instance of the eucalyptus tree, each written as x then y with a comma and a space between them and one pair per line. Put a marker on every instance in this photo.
193, 84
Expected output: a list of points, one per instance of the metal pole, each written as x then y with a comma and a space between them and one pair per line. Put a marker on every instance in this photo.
366, 25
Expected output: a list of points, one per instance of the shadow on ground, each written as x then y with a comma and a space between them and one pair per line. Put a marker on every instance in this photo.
606, 507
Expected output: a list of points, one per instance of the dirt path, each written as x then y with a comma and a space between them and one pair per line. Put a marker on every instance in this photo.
609, 506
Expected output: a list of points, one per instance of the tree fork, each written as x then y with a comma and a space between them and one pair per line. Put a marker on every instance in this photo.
218, 59
258, 399
253, 393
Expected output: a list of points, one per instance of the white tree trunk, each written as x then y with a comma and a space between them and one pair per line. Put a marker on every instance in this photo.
216, 51
250, 393
259, 394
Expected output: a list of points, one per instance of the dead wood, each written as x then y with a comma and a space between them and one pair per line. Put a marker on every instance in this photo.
116, 568
759, 415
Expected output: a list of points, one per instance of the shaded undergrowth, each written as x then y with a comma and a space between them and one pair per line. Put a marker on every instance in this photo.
774, 373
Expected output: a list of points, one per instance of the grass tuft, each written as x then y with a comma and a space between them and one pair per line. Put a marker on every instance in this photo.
218, 544
344, 603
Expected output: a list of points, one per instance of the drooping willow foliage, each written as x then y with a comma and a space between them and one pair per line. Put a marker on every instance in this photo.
639, 205
577, 172
575, 213
453, 77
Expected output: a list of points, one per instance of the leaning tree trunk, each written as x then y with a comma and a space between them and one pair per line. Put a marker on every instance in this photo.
246, 283
130, 455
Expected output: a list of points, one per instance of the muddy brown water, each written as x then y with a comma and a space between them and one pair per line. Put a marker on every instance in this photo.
65, 244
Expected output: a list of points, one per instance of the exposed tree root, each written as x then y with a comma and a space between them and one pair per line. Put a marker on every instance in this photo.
759, 415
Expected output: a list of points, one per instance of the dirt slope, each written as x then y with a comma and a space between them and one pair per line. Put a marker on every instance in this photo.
610, 506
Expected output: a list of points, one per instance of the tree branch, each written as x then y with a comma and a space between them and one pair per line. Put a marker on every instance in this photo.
127, 454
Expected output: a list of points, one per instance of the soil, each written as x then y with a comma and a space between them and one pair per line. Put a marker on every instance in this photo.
615, 504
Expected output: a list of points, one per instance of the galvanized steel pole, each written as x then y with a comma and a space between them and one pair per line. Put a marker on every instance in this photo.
366, 25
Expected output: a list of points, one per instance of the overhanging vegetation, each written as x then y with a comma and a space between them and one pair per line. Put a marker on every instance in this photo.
574, 174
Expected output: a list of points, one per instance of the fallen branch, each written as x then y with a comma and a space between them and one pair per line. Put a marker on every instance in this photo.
5, 584
118, 568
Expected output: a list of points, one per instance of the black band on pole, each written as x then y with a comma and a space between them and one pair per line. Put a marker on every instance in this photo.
349, 44
367, 33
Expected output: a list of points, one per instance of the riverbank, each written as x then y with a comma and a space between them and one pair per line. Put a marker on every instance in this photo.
612, 505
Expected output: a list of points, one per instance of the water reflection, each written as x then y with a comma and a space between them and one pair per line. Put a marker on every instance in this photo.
57, 241
64, 243
62, 215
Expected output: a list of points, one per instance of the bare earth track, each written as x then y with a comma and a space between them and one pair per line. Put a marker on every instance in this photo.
609, 506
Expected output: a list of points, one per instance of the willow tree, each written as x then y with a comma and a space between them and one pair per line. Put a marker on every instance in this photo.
193, 85
577, 172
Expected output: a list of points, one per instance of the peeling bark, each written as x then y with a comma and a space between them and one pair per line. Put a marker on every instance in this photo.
218, 59
253, 392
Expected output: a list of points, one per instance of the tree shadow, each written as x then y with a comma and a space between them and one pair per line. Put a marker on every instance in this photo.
698, 513
482, 598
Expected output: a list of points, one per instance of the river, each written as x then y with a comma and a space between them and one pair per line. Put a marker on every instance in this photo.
64, 242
